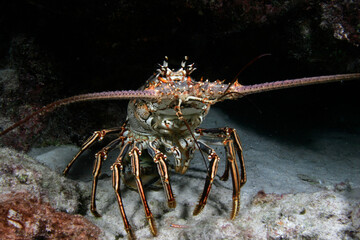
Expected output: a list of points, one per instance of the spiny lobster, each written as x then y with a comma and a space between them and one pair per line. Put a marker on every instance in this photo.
163, 118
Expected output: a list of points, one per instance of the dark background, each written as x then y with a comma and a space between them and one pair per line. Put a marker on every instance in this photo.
62, 48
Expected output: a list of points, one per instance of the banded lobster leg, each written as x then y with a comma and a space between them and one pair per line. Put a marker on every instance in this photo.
99, 158
232, 144
97, 135
212, 170
117, 168
135, 153
159, 158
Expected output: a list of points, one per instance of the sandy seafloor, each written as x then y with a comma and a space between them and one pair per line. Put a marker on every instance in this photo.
329, 159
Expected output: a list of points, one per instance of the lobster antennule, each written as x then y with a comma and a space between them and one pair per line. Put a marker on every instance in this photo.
240, 90
111, 95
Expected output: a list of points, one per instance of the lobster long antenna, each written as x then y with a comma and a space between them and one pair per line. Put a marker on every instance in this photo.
271, 86
238, 91
111, 95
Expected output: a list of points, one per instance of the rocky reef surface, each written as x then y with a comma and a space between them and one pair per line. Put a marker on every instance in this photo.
37, 203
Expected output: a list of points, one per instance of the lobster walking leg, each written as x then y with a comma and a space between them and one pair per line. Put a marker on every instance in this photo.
214, 162
232, 145
96, 135
99, 158
225, 175
116, 180
159, 158
135, 164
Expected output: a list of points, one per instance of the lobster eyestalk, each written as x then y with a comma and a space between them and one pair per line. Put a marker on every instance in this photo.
237, 90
